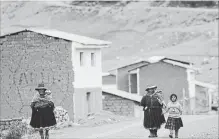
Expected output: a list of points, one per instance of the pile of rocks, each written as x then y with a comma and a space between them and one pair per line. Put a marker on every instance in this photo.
62, 118
6, 123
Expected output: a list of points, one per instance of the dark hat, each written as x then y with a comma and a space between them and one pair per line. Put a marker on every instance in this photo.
41, 86
172, 96
151, 87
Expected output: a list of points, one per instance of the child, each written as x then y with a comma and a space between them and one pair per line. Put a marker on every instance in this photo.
160, 98
48, 96
41, 101
174, 121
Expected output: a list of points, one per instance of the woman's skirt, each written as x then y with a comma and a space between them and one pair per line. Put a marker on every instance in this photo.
153, 118
43, 117
174, 123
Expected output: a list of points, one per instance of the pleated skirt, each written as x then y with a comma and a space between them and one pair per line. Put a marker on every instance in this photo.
174, 123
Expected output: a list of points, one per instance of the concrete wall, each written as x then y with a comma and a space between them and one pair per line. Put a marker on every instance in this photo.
87, 75
88, 78
27, 59
109, 80
122, 76
169, 78
202, 102
81, 104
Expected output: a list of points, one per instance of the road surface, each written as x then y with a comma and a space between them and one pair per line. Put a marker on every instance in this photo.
134, 129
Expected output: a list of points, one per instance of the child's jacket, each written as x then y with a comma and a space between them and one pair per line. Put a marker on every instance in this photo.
174, 109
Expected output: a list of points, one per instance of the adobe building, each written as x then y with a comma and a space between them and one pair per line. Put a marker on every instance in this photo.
68, 64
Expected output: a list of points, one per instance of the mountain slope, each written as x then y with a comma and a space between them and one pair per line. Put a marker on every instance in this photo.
135, 29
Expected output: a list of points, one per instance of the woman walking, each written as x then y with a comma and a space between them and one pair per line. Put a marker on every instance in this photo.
174, 121
152, 106
42, 111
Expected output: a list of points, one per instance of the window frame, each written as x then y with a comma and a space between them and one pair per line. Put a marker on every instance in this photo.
81, 57
93, 59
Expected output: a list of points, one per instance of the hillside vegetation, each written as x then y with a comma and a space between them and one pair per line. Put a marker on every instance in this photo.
136, 29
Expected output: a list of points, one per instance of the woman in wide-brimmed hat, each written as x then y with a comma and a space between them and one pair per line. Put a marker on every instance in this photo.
42, 111
152, 105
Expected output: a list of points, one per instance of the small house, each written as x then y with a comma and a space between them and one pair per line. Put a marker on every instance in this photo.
171, 76
68, 64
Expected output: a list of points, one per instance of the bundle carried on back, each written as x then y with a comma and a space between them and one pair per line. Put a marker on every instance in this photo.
42, 102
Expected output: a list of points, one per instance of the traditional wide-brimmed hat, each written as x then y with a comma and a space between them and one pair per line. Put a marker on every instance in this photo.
41, 87
151, 88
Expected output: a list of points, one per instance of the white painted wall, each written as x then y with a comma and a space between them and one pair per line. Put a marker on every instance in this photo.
190, 79
138, 81
191, 85
86, 76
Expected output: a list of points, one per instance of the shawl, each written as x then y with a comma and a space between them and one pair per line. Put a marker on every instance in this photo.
40, 102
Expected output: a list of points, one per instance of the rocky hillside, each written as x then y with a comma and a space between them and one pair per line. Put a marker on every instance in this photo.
136, 29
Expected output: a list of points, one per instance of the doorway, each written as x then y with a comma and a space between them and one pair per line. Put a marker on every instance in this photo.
88, 101
133, 84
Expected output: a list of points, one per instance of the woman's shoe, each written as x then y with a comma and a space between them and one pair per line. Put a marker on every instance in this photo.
171, 136
155, 133
151, 134
176, 133
42, 137
47, 137
41, 134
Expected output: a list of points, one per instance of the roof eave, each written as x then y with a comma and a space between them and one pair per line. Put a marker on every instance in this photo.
15, 32
92, 46
207, 85
182, 65
127, 65
102, 44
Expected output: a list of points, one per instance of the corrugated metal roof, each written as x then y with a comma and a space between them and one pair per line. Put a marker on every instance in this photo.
153, 59
141, 66
181, 65
170, 62
63, 35
129, 64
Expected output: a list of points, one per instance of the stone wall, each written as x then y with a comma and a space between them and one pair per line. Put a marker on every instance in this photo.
27, 59
6, 123
118, 105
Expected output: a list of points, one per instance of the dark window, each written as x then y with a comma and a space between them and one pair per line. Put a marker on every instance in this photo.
88, 102
93, 59
81, 58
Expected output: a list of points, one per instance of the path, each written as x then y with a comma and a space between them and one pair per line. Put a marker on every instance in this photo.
134, 129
